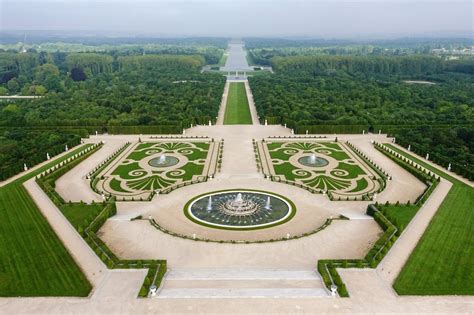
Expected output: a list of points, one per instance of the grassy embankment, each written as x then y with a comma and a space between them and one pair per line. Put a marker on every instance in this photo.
442, 263
33, 260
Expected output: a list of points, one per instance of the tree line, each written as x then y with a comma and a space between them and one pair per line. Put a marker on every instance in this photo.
350, 94
90, 91
20, 146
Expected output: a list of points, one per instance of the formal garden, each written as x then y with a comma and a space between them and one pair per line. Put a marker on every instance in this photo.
147, 168
328, 167
81, 94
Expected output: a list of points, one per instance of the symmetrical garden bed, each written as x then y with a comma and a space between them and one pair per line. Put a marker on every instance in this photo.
150, 167
322, 166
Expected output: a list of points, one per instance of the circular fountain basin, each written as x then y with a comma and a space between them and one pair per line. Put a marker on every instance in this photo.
313, 161
167, 161
239, 209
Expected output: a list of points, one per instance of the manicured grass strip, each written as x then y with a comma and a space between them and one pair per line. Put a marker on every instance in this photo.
33, 261
443, 261
400, 215
237, 111
81, 214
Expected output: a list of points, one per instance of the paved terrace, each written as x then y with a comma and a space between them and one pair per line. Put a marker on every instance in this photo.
275, 277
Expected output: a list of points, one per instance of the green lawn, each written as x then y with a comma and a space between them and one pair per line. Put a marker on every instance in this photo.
400, 215
223, 60
341, 176
33, 261
237, 111
81, 214
443, 261
129, 178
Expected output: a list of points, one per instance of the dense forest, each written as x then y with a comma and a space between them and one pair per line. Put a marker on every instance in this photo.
416, 45
450, 145
262, 50
310, 66
19, 146
340, 94
159, 88
92, 89
98, 91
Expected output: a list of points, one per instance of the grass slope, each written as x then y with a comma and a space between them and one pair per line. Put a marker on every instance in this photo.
237, 111
33, 260
442, 263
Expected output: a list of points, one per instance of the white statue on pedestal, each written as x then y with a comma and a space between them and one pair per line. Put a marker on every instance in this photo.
153, 290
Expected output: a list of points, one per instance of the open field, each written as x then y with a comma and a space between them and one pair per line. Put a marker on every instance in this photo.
33, 261
443, 260
237, 110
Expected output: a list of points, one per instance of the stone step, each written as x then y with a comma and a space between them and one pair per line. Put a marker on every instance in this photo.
241, 293
241, 274
244, 284
235, 283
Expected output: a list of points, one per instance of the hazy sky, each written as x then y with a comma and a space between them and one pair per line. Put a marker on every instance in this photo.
336, 18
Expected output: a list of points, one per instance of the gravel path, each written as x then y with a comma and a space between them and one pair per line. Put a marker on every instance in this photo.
115, 291
73, 186
394, 261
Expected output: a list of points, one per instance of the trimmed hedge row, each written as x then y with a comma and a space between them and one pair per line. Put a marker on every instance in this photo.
28, 148
330, 129
157, 129
327, 268
426, 176
93, 175
46, 181
440, 160
198, 239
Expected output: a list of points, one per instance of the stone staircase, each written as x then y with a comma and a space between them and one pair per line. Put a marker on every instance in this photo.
242, 283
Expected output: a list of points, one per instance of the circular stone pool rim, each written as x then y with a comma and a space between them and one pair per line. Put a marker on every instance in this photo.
326, 162
175, 161
288, 217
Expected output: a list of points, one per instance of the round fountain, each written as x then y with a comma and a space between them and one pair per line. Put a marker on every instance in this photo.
163, 161
239, 206
240, 209
313, 161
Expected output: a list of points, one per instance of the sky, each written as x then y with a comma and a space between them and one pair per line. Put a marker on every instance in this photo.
239, 18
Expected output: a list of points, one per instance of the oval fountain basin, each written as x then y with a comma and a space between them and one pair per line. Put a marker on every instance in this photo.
313, 161
167, 161
239, 209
